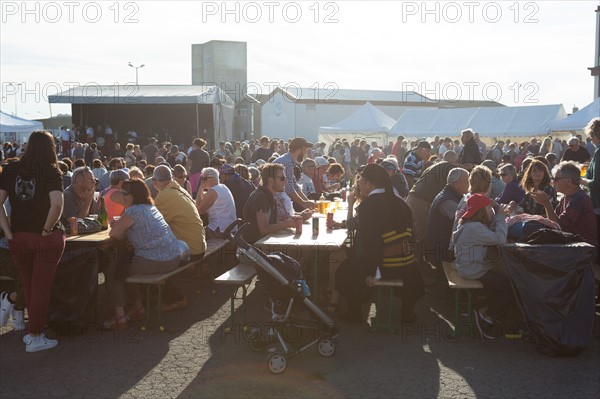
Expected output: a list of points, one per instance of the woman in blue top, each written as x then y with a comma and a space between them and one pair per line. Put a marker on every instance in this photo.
155, 248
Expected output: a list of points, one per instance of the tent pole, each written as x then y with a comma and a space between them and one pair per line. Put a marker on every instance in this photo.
197, 121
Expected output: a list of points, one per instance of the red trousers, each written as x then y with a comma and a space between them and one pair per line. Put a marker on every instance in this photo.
37, 258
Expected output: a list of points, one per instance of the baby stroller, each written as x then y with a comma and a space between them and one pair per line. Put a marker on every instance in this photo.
287, 290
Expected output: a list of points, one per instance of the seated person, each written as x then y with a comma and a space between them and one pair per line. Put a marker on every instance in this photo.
575, 211
239, 187
470, 240
261, 210
441, 218
117, 177
536, 178
480, 182
308, 187
179, 211
217, 202
575, 152
382, 214
498, 185
512, 190
155, 249
398, 179
114, 164
79, 196
180, 176
331, 178
66, 174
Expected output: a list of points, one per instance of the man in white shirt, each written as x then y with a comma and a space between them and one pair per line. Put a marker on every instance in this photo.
445, 146
65, 141
89, 132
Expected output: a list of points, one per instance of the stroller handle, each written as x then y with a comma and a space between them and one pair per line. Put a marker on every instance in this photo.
238, 238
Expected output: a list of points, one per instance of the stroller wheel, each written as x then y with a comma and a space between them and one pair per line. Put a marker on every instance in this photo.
326, 347
276, 362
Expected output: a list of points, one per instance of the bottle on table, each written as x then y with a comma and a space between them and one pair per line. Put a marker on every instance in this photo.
103, 215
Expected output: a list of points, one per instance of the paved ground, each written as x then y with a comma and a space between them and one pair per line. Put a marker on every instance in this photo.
197, 359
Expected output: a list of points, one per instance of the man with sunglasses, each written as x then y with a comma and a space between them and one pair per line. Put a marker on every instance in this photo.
575, 211
261, 210
575, 152
79, 196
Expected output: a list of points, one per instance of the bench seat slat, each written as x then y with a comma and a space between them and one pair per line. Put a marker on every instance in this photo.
157, 279
457, 282
240, 274
379, 282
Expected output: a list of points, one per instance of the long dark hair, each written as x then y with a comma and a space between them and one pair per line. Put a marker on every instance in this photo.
40, 151
139, 190
527, 182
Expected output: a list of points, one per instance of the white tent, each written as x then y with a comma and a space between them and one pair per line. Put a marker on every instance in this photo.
490, 122
577, 121
17, 129
367, 122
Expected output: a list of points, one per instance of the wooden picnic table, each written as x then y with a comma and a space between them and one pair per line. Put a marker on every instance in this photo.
288, 242
100, 239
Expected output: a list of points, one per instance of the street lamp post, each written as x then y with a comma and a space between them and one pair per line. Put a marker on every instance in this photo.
136, 71
15, 85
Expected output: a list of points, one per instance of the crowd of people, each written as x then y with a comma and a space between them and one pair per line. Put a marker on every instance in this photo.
410, 204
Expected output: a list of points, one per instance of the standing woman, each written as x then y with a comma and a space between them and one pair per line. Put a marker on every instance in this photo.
546, 146
592, 177
36, 240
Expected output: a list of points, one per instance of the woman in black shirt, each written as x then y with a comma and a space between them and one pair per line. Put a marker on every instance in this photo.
36, 240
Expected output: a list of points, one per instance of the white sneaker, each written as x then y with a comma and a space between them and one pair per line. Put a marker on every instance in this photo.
18, 320
5, 308
39, 343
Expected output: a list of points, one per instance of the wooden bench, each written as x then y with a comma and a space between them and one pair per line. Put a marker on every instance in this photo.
158, 280
381, 284
213, 247
238, 277
459, 285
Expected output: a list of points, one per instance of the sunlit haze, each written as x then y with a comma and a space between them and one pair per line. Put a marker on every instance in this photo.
516, 53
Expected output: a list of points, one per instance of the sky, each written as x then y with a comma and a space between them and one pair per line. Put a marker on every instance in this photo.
514, 52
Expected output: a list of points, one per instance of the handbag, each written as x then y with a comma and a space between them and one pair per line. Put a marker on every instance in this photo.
88, 225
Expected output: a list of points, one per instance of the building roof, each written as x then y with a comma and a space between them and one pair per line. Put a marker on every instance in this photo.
143, 94
468, 104
347, 96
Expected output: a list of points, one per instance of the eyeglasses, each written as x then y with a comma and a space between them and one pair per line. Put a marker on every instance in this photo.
555, 179
503, 174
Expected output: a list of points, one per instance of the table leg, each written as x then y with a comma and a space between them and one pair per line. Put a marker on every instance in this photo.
315, 274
